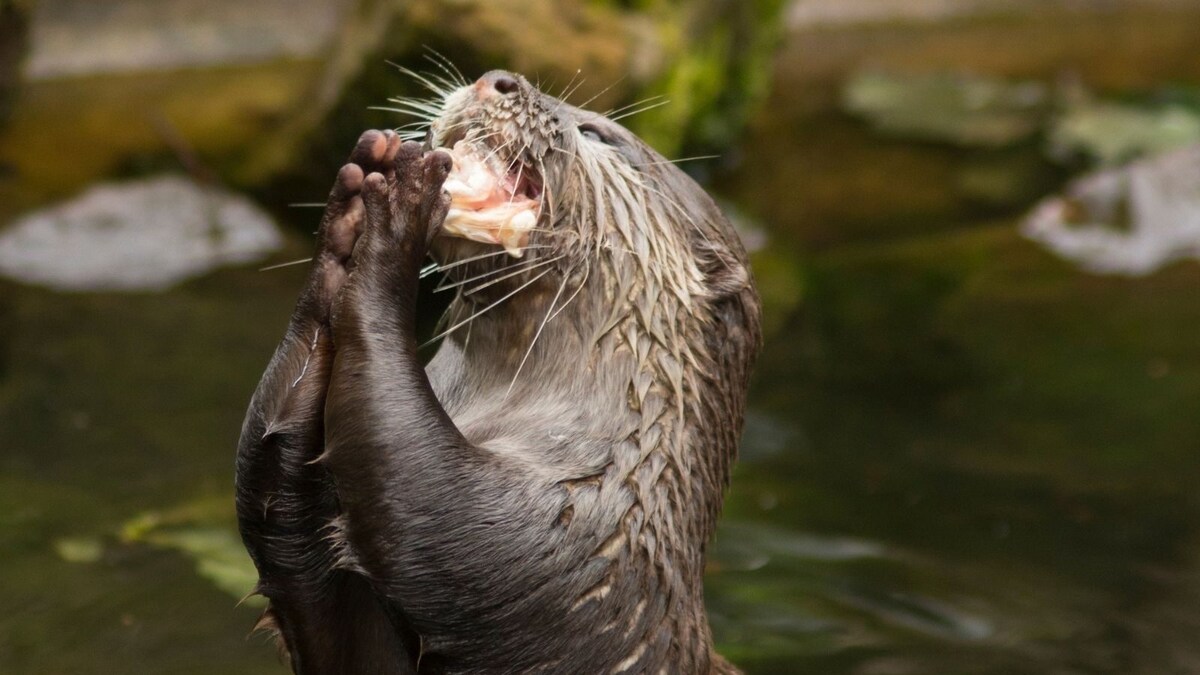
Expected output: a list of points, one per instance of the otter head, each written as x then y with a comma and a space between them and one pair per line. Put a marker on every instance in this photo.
538, 178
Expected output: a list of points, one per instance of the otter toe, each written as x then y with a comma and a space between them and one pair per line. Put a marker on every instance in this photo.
345, 186
344, 230
371, 148
393, 147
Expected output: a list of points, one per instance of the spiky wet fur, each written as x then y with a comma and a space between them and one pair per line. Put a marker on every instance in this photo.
596, 403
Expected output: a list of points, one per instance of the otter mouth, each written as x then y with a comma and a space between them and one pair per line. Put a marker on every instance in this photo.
492, 201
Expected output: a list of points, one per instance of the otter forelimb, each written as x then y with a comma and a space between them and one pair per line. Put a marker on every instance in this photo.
329, 621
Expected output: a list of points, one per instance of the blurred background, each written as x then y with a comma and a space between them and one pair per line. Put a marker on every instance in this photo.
973, 439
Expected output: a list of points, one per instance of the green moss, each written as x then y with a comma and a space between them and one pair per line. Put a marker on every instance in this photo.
720, 67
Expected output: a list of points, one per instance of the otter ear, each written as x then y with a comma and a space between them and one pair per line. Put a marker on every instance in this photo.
724, 271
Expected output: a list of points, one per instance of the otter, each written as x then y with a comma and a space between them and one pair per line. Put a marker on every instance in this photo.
539, 497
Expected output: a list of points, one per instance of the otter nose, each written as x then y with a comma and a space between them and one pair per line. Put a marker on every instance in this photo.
497, 82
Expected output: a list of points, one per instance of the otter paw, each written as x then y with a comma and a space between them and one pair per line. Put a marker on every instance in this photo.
405, 207
342, 222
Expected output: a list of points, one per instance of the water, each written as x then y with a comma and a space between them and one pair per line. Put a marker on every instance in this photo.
963, 454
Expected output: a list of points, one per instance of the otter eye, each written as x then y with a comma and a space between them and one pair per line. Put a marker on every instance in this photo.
592, 133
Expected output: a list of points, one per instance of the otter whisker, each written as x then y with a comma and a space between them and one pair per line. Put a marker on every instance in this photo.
425, 106
427, 270
567, 86
643, 109
431, 104
411, 107
446, 283
564, 95
455, 307
520, 171
471, 138
446, 65
448, 85
681, 160
412, 134
545, 200
520, 269
538, 334
307, 205
600, 93
412, 125
284, 264
515, 159
496, 151
472, 259
429, 84
383, 108
587, 273
613, 111
467, 339
476, 315
425, 118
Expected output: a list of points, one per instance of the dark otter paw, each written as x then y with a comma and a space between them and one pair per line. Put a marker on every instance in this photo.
404, 208
342, 222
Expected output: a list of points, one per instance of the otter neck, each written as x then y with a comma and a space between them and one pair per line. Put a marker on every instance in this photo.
521, 340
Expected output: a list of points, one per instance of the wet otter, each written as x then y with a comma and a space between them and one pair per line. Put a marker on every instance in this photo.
539, 497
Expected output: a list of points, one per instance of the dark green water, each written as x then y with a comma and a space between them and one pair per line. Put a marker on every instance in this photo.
963, 455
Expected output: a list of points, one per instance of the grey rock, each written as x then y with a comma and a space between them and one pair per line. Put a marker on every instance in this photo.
143, 235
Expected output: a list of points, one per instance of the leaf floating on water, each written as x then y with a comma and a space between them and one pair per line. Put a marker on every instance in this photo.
79, 549
204, 531
219, 556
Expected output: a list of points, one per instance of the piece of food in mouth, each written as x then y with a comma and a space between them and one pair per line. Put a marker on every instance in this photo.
491, 201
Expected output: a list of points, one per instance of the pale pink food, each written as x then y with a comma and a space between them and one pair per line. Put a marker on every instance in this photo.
491, 202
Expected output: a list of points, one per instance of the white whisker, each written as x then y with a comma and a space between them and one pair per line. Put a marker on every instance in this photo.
522, 269
519, 267
538, 334
601, 92
471, 318
560, 96
640, 110
441, 91
446, 65
284, 264
678, 161
586, 275
464, 261
648, 99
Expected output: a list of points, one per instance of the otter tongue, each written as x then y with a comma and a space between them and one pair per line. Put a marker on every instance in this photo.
483, 207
